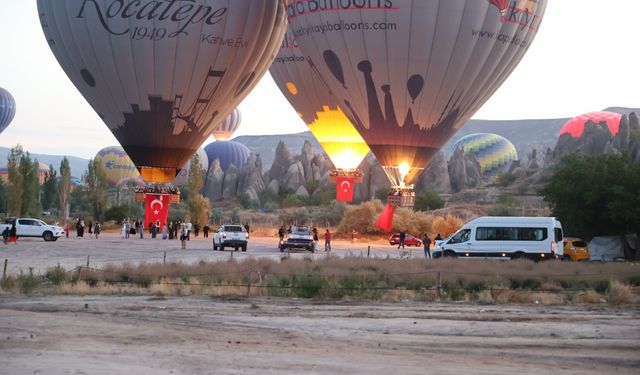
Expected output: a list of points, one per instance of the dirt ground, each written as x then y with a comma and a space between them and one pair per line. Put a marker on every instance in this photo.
200, 335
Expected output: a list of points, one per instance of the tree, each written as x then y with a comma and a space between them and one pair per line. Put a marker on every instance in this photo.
15, 180
597, 195
96, 182
429, 200
50, 189
199, 208
30, 185
64, 188
3, 196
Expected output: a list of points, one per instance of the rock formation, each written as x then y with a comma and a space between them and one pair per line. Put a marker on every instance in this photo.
464, 171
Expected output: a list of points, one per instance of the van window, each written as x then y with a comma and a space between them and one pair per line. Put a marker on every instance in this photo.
462, 236
558, 234
510, 234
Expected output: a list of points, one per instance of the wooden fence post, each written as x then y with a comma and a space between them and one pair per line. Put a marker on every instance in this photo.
368, 251
4, 270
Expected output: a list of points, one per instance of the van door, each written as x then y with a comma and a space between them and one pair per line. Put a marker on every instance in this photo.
459, 243
487, 242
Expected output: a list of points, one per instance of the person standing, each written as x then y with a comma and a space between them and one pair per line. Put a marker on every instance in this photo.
90, 227
281, 233
196, 229
164, 232
327, 241
81, 228
183, 235
426, 242
66, 229
189, 227
315, 235
141, 228
205, 230
353, 235
402, 236
97, 229
127, 228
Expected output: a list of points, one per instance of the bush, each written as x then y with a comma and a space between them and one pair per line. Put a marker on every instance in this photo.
8, 283
116, 213
619, 293
57, 275
505, 179
28, 282
309, 283
429, 200
446, 225
528, 284
361, 217
293, 200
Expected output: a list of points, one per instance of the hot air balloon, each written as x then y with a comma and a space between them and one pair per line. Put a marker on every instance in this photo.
575, 126
7, 109
410, 73
313, 101
231, 123
162, 74
117, 164
227, 153
494, 153
183, 176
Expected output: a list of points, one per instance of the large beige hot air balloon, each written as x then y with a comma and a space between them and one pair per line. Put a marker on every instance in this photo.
163, 74
410, 73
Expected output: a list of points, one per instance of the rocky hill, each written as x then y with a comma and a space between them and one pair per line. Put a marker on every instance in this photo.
78, 165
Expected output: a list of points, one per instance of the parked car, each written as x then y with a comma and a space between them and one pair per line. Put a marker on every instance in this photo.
299, 238
409, 240
230, 235
28, 227
575, 249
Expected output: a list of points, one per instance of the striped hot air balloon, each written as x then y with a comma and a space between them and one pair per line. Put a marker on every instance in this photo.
494, 153
231, 123
7, 109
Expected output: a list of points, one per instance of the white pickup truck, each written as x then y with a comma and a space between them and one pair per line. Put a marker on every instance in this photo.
26, 227
230, 236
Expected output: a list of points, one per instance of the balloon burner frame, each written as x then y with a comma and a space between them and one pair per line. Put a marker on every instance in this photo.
172, 191
402, 196
351, 173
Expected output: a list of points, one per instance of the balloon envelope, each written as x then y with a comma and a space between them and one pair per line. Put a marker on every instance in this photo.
117, 164
494, 153
228, 153
311, 98
231, 123
183, 176
410, 73
162, 74
575, 126
7, 109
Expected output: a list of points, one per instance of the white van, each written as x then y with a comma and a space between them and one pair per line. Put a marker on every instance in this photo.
535, 238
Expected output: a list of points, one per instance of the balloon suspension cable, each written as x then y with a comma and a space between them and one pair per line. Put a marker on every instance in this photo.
356, 174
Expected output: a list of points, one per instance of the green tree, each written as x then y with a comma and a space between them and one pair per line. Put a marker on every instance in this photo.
597, 195
96, 184
429, 200
30, 185
3, 196
15, 180
64, 188
198, 206
50, 189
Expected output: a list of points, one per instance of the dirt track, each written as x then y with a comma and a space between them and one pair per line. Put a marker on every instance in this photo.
198, 335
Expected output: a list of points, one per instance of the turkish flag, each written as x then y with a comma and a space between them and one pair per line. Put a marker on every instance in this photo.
156, 207
385, 221
344, 189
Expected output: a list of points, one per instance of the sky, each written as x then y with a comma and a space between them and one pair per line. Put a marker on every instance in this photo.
585, 58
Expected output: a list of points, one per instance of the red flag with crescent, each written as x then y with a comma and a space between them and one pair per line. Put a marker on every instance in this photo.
344, 189
156, 208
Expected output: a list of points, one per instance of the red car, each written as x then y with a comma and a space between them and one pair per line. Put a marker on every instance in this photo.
409, 240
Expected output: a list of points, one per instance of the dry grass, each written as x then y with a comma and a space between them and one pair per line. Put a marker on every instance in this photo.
588, 297
619, 293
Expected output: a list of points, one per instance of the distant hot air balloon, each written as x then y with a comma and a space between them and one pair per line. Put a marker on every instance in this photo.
410, 73
311, 98
162, 74
7, 109
575, 126
183, 176
117, 164
43, 169
494, 153
228, 153
231, 123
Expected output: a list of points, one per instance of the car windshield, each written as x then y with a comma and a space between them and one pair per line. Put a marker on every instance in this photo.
233, 228
301, 231
580, 243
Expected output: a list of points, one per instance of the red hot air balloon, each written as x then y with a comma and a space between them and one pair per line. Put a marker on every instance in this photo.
163, 74
575, 126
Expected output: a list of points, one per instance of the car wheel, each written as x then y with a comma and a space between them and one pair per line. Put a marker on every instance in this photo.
48, 236
214, 246
519, 255
450, 254
221, 247
244, 248
235, 249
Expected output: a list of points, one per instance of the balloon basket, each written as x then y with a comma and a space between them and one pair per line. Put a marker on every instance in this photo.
173, 192
402, 196
352, 173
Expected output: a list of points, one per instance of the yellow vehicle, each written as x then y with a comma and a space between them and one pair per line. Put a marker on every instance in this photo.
575, 249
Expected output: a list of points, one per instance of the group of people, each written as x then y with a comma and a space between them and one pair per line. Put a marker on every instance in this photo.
93, 229
9, 233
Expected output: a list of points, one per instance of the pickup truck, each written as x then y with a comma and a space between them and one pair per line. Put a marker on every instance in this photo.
27, 227
299, 238
230, 236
